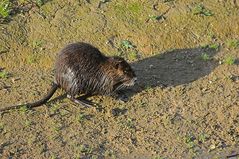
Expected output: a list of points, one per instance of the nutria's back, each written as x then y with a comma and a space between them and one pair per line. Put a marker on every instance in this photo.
82, 68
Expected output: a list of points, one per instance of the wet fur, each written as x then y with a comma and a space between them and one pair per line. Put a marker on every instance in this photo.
83, 69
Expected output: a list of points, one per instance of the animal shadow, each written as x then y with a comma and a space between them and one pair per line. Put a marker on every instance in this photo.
173, 68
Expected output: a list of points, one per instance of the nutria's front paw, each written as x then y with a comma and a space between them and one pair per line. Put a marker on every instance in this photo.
121, 96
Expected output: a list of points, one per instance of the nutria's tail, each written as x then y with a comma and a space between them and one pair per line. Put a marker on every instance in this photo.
35, 104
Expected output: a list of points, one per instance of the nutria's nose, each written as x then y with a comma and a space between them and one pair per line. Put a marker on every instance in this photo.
135, 79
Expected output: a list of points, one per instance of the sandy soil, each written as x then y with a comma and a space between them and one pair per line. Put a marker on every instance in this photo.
185, 105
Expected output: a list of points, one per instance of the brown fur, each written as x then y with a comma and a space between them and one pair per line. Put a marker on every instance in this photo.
83, 69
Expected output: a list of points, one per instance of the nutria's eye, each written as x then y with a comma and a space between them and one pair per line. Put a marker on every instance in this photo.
125, 71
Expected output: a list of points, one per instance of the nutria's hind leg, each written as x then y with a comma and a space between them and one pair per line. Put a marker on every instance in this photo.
82, 100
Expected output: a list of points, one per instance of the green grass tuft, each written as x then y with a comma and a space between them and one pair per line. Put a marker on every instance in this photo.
205, 57
4, 74
81, 117
28, 123
132, 55
128, 50
232, 43
202, 138
5, 8
229, 60
39, 2
38, 43
24, 109
201, 10
214, 46
126, 44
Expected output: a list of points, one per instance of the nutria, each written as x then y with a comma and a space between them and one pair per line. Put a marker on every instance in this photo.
81, 69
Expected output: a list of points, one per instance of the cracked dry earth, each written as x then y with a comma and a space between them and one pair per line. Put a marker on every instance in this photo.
185, 104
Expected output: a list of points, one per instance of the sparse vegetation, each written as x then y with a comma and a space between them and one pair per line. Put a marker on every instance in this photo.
229, 60
202, 138
38, 43
232, 43
32, 59
24, 109
81, 117
189, 140
205, 57
214, 46
201, 10
4, 74
28, 123
5, 8
132, 55
8, 7
128, 50
39, 2
126, 44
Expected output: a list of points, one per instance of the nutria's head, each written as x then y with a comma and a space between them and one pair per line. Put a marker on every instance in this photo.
123, 74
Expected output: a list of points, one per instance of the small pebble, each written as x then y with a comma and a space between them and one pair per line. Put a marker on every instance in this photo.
15, 79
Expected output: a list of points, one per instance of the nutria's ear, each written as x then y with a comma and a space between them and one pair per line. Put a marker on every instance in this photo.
116, 61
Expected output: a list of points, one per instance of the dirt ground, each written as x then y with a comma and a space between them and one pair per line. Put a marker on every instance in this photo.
185, 54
